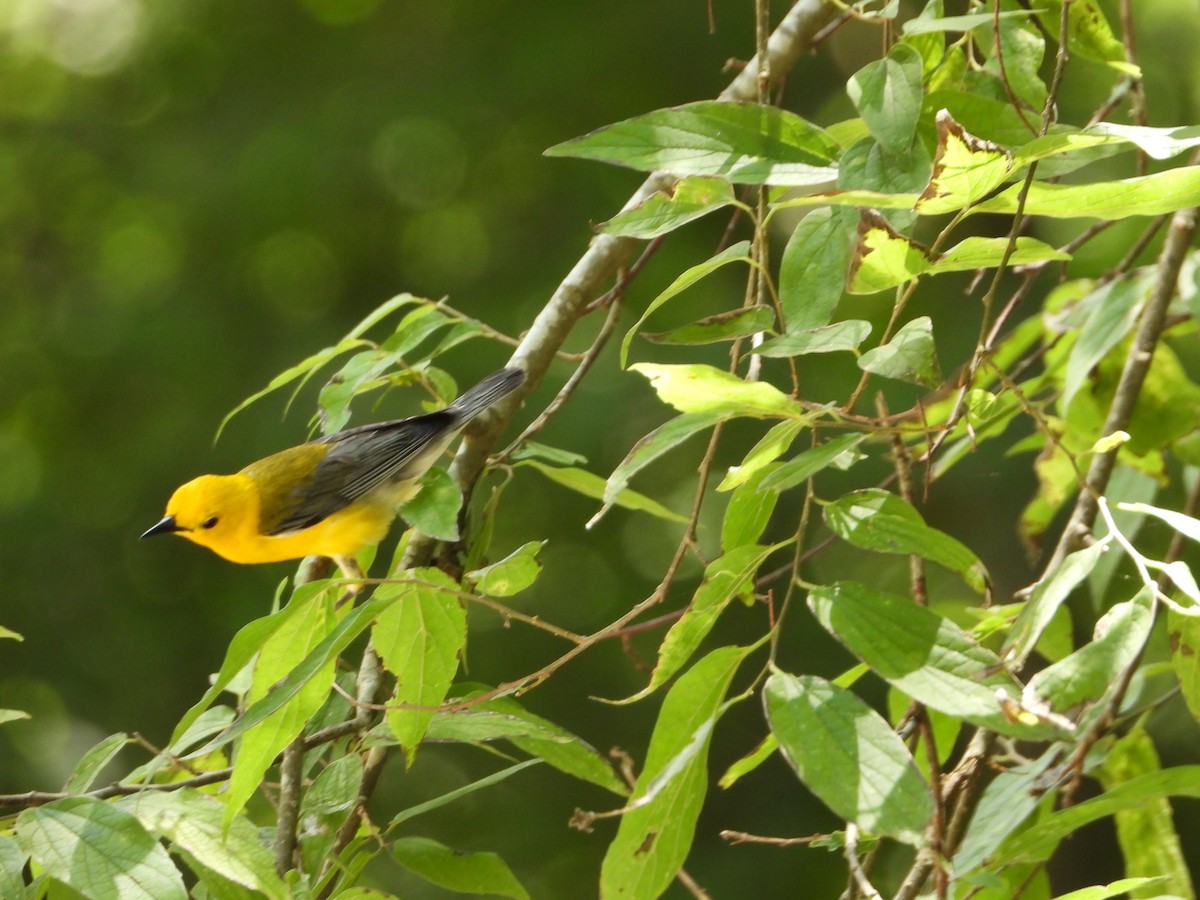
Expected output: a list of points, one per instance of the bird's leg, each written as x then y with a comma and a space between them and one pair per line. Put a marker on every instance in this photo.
354, 574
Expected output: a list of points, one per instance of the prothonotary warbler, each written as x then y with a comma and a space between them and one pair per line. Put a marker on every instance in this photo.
330, 497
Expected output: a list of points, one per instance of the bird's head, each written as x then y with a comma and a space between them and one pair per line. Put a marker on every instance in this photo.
211, 510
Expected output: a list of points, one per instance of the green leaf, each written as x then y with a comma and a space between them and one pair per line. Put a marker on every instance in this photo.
807, 464
739, 252
433, 510
1088, 33
419, 638
965, 169
748, 513
769, 448
327, 805
986, 117
812, 273
1127, 484
12, 865
656, 830
1158, 143
743, 142
464, 873
1065, 149
1147, 835
315, 663
590, 485
193, 822
1133, 887
726, 577
1091, 671
1039, 841
1018, 62
871, 166
844, 335
662, 439
724, 326
663, 212
1048, 594
857, 198
466, 726
884, 258
705, 389
921, 653
1183, 633
922, 25
335, 790
279, 656
559, 747
1111, 311
887, 94
92, 763
554, 455
12, 715
304, 369
849, 756
909, 356
510, 575
1008, 800
458, 793
751, 761
99, 850
879, 520
9, 635
987, 253
245, 644
1148, 195
362, 372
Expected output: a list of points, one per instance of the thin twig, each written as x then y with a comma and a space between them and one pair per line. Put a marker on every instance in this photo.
861, 881
291, 779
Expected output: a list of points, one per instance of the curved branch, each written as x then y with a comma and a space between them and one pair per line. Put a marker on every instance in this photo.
607, 255
1137, 364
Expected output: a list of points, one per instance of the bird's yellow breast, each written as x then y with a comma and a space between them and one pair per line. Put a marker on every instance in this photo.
225, 513
344, 533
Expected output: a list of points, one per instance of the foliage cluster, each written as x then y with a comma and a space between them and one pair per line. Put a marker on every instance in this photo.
997, 708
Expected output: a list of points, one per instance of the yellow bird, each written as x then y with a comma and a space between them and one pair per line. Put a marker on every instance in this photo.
330, 497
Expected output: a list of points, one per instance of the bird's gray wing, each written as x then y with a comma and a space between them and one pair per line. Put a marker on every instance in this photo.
360, 460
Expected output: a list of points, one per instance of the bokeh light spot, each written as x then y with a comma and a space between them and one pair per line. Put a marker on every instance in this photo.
444, 248
422, 162
298, 273
90, 37
138, 260
340, 12
22, 467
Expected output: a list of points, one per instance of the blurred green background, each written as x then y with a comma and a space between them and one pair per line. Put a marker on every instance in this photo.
196, 195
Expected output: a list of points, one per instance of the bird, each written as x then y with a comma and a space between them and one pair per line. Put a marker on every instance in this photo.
329, 497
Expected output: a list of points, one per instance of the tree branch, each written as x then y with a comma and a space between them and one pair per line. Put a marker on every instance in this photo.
1179, 238
605, 257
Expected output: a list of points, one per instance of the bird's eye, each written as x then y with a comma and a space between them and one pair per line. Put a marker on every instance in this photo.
209, 522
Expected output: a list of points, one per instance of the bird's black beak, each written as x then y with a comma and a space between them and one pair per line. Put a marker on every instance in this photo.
166, 526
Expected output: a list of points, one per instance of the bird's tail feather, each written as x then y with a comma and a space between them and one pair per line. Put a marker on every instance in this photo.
486, 392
